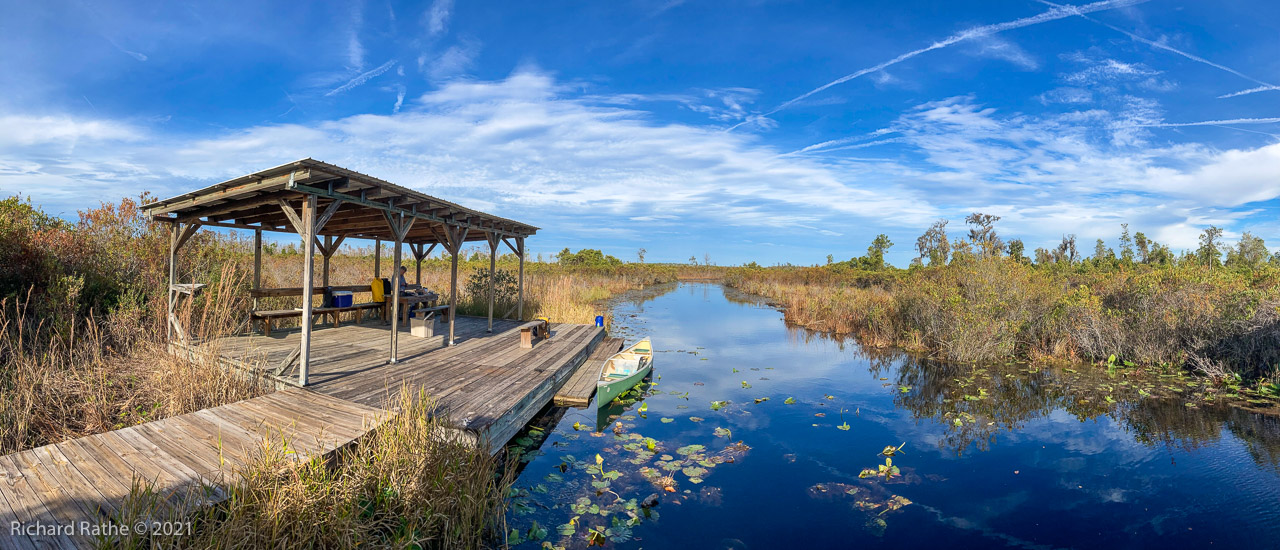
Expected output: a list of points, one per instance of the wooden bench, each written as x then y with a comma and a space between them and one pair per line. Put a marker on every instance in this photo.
267, 317
333, 313
406, 301
537, 327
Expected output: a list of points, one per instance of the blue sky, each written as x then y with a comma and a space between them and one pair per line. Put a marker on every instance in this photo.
767, 131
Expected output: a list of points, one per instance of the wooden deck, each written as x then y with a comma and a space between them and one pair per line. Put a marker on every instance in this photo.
87, 479
582, 386
486, 383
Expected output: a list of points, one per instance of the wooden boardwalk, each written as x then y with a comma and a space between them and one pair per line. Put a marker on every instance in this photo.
488, 386
486, 383
87, 479
582, 386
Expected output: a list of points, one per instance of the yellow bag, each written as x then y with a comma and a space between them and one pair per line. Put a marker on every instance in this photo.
379, 294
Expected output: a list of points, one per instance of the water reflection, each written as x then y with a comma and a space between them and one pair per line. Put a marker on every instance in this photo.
975, 404
755, 431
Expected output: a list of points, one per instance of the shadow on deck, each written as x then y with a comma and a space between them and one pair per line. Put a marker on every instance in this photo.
486, 383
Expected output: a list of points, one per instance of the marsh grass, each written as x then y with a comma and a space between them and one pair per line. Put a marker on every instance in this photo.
409, 483
1219, 322
84, 375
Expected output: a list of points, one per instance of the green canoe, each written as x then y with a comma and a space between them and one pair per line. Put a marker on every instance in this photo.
623, 371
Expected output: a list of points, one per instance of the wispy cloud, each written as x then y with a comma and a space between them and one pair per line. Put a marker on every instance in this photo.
1162, 46
1269, 120
437, 17
1054, 14
362, 78
530, 148
1265, 88
130, 53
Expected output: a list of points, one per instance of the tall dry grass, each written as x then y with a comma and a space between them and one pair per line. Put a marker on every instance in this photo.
408, 484
1218, 321
84, 375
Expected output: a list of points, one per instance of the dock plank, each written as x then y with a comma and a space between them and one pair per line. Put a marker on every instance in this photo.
581, 387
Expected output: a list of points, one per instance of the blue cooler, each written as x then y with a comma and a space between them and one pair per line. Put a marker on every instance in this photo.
342, 298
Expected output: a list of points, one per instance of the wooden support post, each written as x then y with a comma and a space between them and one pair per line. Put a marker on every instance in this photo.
326, 251
520, 300
308, 230
377, 258
455, 246
493, 265
173, 277
400, 229
257, 265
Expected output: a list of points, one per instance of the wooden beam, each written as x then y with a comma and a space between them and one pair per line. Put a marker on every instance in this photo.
185, 234
234, 205
493, 266
511, 246
328, 213
298, 226
325, 252
232, 192
308, 261
520, 300
257, 264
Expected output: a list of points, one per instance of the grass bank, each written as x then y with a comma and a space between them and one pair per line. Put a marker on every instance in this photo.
404, 485
1217, 321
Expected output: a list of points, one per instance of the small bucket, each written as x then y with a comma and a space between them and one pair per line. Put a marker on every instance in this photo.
600, 320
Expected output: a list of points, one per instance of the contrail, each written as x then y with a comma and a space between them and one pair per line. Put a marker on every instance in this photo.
864, 145
1265, 88
1264, 85
1058, 12
362, 78
1270, 120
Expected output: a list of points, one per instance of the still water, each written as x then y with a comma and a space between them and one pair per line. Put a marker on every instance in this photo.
991, 456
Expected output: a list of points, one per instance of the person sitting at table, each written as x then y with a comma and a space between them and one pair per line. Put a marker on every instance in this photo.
406, 291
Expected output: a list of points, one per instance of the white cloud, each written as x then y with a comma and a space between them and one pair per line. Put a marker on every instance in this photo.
454, 61
531, 148
437, 17
995, 47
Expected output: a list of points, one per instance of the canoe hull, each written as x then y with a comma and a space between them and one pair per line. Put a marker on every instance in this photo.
606, 392
610, 385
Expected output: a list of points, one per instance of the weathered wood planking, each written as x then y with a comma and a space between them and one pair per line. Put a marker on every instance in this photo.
87, 479
577, 392
486, 383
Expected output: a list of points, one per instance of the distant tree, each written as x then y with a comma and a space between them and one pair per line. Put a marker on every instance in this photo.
982, 234
693, 260
1210, 251
875, 253
1126, 245
830, 259
1016, 249
640, 254
1066, 252
961, 250
1043, 256
706, 259
1275, 260
934, 245
586, 257
1160, 254
1250, 252
1144, 247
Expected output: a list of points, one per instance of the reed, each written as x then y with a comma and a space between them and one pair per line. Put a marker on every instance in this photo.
1221, 322
407, 484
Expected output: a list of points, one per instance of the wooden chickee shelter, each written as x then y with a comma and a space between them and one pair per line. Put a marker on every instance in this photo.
319, 200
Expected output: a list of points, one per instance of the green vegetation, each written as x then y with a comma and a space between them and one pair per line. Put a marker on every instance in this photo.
404, 486
979, 299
